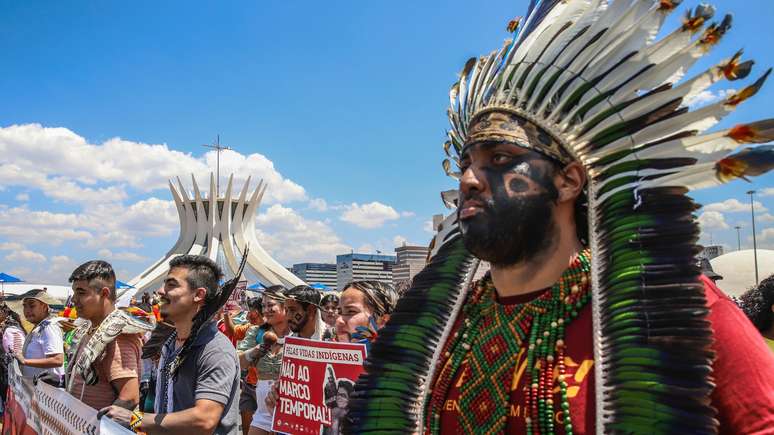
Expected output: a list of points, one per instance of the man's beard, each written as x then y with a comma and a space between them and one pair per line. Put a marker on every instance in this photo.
510, 230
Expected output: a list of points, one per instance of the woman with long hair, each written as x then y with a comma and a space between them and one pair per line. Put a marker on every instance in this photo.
364, 308
267, 357
13, 331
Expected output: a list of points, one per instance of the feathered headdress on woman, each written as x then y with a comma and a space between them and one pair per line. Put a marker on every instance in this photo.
598, 88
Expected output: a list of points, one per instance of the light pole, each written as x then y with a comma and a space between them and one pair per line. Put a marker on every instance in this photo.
738, 238
755, 244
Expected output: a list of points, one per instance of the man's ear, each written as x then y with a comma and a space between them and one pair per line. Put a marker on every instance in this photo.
382, 320
570, 181
104, 292
200, 294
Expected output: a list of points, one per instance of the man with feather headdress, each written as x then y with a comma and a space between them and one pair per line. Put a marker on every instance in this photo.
198, 381
575, 153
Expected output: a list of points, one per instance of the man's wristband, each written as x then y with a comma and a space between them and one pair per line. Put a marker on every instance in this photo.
135, 421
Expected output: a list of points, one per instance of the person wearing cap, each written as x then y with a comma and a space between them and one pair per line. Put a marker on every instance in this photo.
706, 269
43, 350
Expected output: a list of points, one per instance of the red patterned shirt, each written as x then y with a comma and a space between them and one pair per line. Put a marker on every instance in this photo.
743, 371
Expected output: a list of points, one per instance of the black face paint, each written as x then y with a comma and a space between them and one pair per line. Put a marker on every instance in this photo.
297, 322
517, 223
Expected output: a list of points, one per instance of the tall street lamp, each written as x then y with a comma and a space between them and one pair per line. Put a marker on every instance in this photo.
738, 238
755, 244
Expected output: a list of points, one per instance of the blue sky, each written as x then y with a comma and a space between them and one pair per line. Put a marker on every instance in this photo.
340, 105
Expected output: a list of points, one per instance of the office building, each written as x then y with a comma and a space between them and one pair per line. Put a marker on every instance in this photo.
323, 273
411, 259
712, 251
356, 267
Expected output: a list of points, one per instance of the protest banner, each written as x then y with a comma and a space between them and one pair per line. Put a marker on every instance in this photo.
42, 409
315, 383
238, 295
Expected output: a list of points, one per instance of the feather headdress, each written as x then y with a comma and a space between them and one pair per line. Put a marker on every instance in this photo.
593, 77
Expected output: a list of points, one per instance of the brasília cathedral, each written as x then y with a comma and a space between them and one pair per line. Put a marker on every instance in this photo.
219, 229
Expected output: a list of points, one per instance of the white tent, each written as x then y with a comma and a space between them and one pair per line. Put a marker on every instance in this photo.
738, 269
60, 292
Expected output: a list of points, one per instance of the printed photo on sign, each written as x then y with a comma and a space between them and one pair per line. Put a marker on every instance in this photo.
315, 384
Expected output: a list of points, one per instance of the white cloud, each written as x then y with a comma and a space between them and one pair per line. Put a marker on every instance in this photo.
734, 206
56, 271
399, 241
371, 215
29, 226
769, 191
407, 214
66, 167
121, 256
318, 204
765, 239
291, 238
10, 246
366, 248
58, 188
22, 197
764, 218
26, 256
712, 220
707, 97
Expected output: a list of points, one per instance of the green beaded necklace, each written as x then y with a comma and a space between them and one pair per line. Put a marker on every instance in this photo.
490, 337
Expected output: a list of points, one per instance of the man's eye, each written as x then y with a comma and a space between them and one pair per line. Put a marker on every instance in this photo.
499, 159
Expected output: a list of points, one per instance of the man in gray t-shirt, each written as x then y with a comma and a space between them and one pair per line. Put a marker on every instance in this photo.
201, 396
210, 371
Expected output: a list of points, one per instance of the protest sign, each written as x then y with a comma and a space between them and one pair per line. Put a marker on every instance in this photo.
238, 296
315, 383
42, 409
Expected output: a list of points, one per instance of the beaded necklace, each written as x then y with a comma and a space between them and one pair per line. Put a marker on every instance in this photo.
490, 337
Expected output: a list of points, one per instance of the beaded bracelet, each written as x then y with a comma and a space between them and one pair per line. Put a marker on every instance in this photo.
135, 421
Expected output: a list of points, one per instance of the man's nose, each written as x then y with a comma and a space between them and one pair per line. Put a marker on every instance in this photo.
471, 180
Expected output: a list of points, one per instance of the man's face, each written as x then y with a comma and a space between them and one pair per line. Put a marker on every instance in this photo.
34, 310
178, 300
508, 195
88, 301
297, 316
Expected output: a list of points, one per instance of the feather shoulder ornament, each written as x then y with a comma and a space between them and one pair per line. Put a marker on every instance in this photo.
591, 74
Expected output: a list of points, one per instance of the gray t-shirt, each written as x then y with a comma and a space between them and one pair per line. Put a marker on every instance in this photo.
210, 371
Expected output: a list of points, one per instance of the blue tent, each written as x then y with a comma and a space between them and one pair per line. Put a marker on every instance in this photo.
120, 285
257, 286
4, 278
319, 286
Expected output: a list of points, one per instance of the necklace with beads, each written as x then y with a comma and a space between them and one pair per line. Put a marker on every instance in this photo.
490, 338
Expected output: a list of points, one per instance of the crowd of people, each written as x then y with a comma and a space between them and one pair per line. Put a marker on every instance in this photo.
151, 375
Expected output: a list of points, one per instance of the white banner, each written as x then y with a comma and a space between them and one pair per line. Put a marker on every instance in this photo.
44, 410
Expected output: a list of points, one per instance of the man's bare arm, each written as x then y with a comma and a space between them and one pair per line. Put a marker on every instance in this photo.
203, 418
50, 361
128, 392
